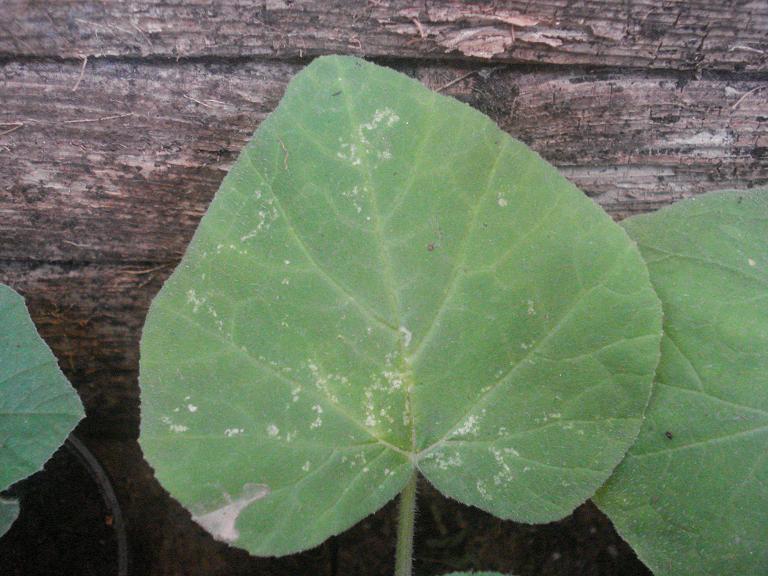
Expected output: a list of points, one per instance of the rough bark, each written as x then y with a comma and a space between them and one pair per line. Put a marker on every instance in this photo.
121, 169
102, 187
696, 34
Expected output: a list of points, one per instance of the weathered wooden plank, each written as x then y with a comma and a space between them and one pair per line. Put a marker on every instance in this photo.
122, 168
103, 186
691, 34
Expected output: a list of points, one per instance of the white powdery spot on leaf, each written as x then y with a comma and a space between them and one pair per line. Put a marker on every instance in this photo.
194, 300
267, 215
751, 262
370, 409
230, 432
482, 490
192, 408
384, 413
273, 430
504, 474
470, 426
317, 422
353, 196
172, 426
407, 336
353, 152
350, 152
445, 461
385, 116
221, 523
358, 459
394, 379
323, 381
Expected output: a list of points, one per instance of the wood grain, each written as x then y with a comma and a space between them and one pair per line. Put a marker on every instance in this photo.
102, 187
122, 169
673, 34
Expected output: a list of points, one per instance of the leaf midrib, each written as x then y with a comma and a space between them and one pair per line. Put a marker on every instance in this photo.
386, 260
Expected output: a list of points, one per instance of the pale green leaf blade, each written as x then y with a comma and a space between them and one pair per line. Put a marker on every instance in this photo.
38, 407
560, 332
9, 511
692, 495
381, 265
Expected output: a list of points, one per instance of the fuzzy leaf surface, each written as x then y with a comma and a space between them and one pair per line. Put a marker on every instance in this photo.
692, 495
387, 281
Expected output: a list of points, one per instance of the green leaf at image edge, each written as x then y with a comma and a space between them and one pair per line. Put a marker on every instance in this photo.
387, 281
691, 496
38, 407
9, 511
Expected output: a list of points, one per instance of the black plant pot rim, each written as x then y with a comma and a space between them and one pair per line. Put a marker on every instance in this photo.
99, 475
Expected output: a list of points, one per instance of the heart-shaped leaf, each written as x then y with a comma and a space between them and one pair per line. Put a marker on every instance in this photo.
38, 407
386, 282
692, 495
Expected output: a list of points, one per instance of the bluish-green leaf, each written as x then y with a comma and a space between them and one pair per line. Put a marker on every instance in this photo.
9, 511
387, 281
692, 495
38, 407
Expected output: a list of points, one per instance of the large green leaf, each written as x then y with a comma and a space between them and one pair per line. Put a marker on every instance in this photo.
692, 495
387, 282
38, 407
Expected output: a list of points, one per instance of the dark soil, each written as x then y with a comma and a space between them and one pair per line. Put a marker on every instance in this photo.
66, 529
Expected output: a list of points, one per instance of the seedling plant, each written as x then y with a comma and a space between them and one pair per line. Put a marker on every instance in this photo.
387, 285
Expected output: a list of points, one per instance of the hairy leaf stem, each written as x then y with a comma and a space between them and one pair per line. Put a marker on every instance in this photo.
405, 528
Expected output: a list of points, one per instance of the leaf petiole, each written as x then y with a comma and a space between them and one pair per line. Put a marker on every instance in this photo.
405, 528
